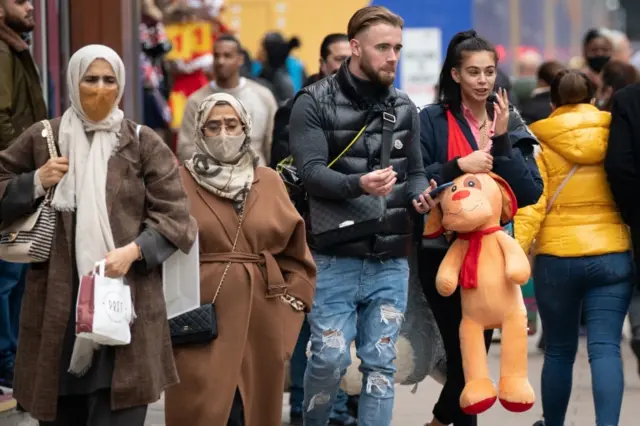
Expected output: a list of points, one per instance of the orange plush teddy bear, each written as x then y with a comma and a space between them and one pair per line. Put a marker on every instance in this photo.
490, 266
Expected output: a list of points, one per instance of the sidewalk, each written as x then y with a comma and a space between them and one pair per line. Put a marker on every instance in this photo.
415, 409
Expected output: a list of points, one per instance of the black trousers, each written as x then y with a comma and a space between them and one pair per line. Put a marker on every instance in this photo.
236, 417
95, 410
448, 314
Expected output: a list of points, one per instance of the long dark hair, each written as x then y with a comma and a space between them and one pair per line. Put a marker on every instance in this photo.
466, 41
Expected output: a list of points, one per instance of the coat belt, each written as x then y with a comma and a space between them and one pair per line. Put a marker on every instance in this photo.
276, 285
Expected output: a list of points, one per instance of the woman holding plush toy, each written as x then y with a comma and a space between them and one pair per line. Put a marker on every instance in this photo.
583, 261
470, 130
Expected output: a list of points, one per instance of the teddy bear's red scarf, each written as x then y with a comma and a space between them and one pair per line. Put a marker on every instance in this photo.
469, 271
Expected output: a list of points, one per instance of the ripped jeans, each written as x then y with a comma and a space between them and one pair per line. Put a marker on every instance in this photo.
361, 300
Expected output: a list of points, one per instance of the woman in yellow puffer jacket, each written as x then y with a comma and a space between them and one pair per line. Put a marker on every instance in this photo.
583, 260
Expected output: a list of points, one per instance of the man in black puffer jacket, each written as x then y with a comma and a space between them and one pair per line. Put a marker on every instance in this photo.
361, 291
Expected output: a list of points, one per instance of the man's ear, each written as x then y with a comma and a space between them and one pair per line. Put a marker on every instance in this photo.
356, 48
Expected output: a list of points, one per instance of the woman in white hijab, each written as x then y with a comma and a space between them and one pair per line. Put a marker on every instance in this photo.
255, 267
117, 197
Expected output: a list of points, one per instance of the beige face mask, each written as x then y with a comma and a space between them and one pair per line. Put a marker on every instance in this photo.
97, 102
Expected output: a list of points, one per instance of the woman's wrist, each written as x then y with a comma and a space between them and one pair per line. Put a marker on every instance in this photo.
136, 252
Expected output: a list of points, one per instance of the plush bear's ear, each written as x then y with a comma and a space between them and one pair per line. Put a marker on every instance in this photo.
433, 225
509, 202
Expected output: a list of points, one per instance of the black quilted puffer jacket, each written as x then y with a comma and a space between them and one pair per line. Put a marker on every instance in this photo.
344, 104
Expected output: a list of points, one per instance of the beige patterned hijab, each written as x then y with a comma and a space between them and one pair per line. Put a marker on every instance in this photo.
227, 179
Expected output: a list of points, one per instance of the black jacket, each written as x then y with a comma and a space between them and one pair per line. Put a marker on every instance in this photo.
326, 116
622, 162
512, 152
537, 107
280, 141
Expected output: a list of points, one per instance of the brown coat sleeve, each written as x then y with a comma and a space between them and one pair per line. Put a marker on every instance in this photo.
20, 157
7, 132
167, 206
295, 261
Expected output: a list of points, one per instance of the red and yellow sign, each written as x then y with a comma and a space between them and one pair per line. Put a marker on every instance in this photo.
190, 40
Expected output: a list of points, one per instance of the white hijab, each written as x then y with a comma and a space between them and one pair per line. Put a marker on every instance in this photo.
83, 188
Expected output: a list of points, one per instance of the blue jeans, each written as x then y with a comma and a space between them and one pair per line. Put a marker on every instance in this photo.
600, 286
298, 366
366, 298
12, 281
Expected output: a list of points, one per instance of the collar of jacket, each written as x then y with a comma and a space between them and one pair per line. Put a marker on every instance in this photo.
356, 90
12, 38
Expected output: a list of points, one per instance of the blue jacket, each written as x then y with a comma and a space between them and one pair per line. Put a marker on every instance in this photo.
513, 153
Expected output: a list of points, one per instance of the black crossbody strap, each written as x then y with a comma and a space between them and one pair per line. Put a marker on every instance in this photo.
388, 121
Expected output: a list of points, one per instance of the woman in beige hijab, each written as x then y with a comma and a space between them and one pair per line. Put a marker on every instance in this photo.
118, 197
254, 265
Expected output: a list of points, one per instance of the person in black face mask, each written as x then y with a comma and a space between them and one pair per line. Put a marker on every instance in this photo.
597, 49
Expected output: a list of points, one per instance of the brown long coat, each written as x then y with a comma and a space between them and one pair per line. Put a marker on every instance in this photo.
257, 330
143, 187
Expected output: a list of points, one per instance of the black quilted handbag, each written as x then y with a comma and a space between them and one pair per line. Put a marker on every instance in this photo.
200, 326
193, 327
335, 222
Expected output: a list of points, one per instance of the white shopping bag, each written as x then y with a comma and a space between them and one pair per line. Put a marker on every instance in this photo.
104, 310
181, 281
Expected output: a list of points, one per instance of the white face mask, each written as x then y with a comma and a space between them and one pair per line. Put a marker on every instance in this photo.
225, 148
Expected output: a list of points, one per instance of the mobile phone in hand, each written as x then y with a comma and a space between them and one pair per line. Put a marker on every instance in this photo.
435, 192
439, 189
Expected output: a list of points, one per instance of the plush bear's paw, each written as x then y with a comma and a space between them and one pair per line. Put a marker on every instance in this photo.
516, 394
445, 287
478, 396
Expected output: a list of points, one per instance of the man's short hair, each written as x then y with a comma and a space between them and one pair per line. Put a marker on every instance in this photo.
371, 15
227, 37
328, 41
548, 71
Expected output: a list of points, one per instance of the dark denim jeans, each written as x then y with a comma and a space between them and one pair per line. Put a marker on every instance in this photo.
600, 286
363, 298
298, 366
12, 281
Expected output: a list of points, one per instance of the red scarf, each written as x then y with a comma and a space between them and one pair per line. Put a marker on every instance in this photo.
469, 272
457, 144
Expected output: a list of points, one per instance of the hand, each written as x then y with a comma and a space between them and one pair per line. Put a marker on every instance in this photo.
379, 182
425, 203
476, 162
118, 262
502, 112
53, 171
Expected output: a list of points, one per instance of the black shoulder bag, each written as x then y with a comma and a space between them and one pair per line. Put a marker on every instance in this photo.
336, 222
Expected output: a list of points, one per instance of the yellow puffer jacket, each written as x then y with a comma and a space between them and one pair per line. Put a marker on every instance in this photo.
583, 220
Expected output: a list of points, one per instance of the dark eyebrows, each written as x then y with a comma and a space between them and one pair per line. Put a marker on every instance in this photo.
473, 67
397, 46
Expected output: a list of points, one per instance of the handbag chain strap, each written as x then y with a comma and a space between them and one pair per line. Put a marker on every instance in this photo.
233, 249
51, 144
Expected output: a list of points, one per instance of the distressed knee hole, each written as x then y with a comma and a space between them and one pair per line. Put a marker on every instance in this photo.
333, 339
378, 383
389, 314
386, 343
321, 398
